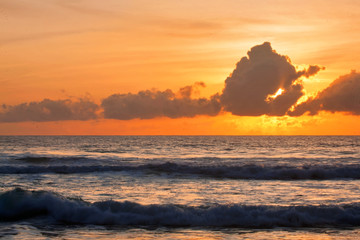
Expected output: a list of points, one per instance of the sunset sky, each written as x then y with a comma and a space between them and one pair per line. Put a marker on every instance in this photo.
180, 67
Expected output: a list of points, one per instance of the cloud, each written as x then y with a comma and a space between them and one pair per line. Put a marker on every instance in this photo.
342, 95
312, 70
253, 88
50, 110
263, 83
153, 103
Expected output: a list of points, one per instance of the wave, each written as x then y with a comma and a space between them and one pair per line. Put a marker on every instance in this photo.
249, 171
19, 204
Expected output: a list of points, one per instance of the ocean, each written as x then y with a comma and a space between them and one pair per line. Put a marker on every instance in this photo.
180, 187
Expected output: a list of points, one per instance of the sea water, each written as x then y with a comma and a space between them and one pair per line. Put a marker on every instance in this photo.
180, 187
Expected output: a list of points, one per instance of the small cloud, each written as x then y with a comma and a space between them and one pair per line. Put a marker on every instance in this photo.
188, 91
311, 71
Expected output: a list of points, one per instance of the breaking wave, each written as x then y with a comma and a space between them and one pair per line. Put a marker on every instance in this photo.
245, 171
19, 204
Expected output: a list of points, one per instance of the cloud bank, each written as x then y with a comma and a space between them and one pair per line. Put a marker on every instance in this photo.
50, 110
151, 103
263, 83
343, 95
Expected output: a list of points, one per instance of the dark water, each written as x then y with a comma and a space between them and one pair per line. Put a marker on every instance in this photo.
180, 187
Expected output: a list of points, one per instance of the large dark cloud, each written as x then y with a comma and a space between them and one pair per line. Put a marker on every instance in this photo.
343, 95
50, 110
256, 78
151, 103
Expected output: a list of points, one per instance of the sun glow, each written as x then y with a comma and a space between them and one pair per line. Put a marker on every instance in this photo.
275, 95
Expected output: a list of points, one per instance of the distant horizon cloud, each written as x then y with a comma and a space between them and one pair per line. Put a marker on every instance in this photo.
50, 110
262, 83
154, 103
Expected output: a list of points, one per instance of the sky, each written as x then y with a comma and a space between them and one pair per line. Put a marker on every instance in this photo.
276, 67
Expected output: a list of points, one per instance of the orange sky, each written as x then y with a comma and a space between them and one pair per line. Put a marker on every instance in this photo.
72, 49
